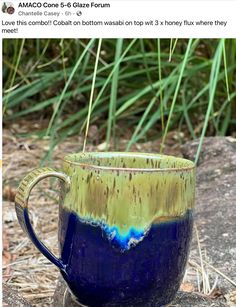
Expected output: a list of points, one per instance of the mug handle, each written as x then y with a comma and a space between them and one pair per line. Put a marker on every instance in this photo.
21, 206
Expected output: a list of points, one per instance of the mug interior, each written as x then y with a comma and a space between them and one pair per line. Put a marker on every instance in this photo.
129, 160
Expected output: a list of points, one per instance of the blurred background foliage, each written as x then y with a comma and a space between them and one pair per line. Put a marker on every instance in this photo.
143, 89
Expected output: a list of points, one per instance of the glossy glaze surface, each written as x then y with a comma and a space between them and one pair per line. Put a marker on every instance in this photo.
127, 190
124, 227
99, 270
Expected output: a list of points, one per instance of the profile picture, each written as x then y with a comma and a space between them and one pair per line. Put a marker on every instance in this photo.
8, 8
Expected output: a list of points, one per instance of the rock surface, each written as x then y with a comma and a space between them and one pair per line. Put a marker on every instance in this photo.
11, 298
216, 203
183, 299
215, 219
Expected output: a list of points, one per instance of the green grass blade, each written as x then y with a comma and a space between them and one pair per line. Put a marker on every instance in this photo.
172, 48
226, 121
92, 92
213, 82
14, 74
61, 44
226, 73
111, 74
145, 62
67, 85
171, 43
160, 79
113, 98
186, 56
169, 84
185, 111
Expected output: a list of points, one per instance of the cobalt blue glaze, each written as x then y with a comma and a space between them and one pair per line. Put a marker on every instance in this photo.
101, 274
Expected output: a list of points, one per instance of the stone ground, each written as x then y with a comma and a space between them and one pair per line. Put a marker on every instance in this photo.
216, 202
216, 210
212, 281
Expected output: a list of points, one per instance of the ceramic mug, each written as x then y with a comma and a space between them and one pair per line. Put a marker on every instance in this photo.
125, 225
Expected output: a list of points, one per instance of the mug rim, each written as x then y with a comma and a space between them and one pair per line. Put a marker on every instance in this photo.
190, 165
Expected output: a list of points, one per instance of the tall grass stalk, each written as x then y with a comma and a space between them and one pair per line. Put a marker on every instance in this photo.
63, 58
226, 73
11, 62
145, 63
67, 85
172, 48
14, 74
185, 110
160, 79
92, 92
186, 56
164, 84
212, 89
111, 122
110, 76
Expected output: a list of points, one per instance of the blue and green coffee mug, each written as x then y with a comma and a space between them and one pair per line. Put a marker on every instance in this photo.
125, 225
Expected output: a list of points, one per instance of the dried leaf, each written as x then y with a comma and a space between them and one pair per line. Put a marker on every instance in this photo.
102, 146
187, 287
231, 298
216, 293
9, 193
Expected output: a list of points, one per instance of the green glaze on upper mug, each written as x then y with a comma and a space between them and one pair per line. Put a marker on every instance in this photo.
132, 201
